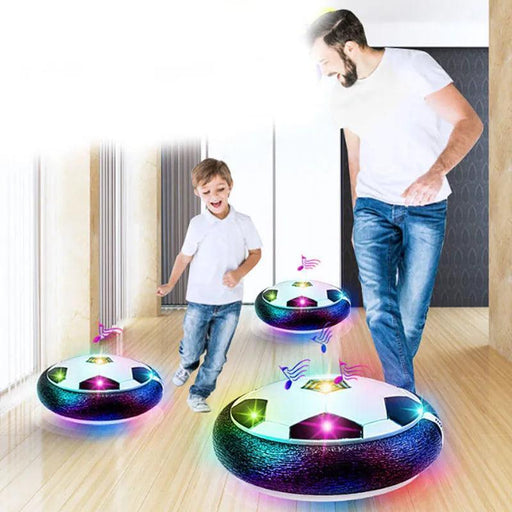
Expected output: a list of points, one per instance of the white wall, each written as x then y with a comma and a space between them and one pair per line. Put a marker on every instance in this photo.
248, 154
141, 167
308, 214
440, 23
294, 202
307, 205
66, 300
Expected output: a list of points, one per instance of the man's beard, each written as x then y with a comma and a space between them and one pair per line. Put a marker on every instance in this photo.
350, 76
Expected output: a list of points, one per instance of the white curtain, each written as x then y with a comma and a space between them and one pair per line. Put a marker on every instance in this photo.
19, 277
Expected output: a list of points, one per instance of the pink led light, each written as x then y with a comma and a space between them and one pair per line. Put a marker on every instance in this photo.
99, 383
302, 302
326, 426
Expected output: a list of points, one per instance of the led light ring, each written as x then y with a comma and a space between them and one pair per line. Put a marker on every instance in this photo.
317, 472
307, 318
99, 405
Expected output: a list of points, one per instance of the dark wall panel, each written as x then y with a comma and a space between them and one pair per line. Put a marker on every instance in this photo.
179, 205
462, 279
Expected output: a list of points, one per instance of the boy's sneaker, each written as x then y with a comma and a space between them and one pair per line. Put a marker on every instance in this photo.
181, 376
198, 403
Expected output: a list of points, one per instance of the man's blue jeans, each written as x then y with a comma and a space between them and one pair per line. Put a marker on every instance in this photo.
397, 251
207, 328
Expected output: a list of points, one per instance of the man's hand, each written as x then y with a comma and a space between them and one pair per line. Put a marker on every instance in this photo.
231, 279
424, 190
164, 289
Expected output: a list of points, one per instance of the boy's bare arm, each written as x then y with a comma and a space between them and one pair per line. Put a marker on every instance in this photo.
180, 264
233, 277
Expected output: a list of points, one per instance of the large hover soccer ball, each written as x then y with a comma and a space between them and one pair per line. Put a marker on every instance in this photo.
99, 388
323, 441
302, 305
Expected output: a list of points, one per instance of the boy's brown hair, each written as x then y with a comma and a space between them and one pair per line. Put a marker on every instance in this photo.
206, 170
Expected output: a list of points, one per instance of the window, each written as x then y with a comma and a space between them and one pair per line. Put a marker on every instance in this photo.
19, 261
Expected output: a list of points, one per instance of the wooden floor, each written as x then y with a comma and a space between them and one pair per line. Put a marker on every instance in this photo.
165, 461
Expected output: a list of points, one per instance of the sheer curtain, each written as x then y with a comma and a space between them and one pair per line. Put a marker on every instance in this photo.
112, 235
19, 271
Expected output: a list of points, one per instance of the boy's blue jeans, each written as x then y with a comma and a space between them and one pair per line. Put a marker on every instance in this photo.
397, 251
210, 328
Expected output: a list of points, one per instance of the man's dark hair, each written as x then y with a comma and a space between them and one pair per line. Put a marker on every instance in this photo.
336, 28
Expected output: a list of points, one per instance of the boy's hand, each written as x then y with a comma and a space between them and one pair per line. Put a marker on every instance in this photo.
164, 289
231, 279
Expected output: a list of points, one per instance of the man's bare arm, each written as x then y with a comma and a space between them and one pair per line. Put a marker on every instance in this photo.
450, 105
352, 141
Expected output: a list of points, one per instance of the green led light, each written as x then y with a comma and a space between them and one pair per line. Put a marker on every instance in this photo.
57, 374
270, 295
302, 284
254, 415
250, 413
99, 360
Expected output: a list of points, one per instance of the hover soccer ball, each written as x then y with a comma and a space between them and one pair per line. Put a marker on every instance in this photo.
99, 388
302, 305
326, 440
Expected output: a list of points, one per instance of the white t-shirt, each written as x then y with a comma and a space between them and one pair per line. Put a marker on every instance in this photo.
400, 135
217, 246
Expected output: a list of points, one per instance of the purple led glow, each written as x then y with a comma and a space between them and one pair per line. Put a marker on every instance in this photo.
99, 383
326, 426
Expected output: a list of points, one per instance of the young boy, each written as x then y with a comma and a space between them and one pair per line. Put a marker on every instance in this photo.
222, 246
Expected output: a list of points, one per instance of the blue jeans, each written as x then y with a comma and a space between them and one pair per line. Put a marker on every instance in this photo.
397, 251
207, 328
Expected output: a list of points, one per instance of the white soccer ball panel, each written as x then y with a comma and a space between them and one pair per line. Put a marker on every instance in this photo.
380, 428
362, 403
115, 368
318, 292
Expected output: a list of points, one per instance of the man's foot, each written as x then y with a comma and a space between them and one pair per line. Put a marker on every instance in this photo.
198, 403
181, 376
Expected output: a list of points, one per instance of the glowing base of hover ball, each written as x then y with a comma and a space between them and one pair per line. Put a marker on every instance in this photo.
99, 389
334, 497
321, 439
304, 306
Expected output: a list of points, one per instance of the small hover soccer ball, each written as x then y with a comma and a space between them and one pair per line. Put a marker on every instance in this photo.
302, 305
324, 439
99, 388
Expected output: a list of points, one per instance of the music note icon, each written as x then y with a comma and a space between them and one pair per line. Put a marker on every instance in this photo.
324, 338
307, 264
301, 267
105, 333
295, 373
349, 372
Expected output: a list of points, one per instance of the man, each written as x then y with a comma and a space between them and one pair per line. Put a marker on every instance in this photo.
406, 127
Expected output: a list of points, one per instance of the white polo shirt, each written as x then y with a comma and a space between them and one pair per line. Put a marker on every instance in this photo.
218, 245
400, 135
